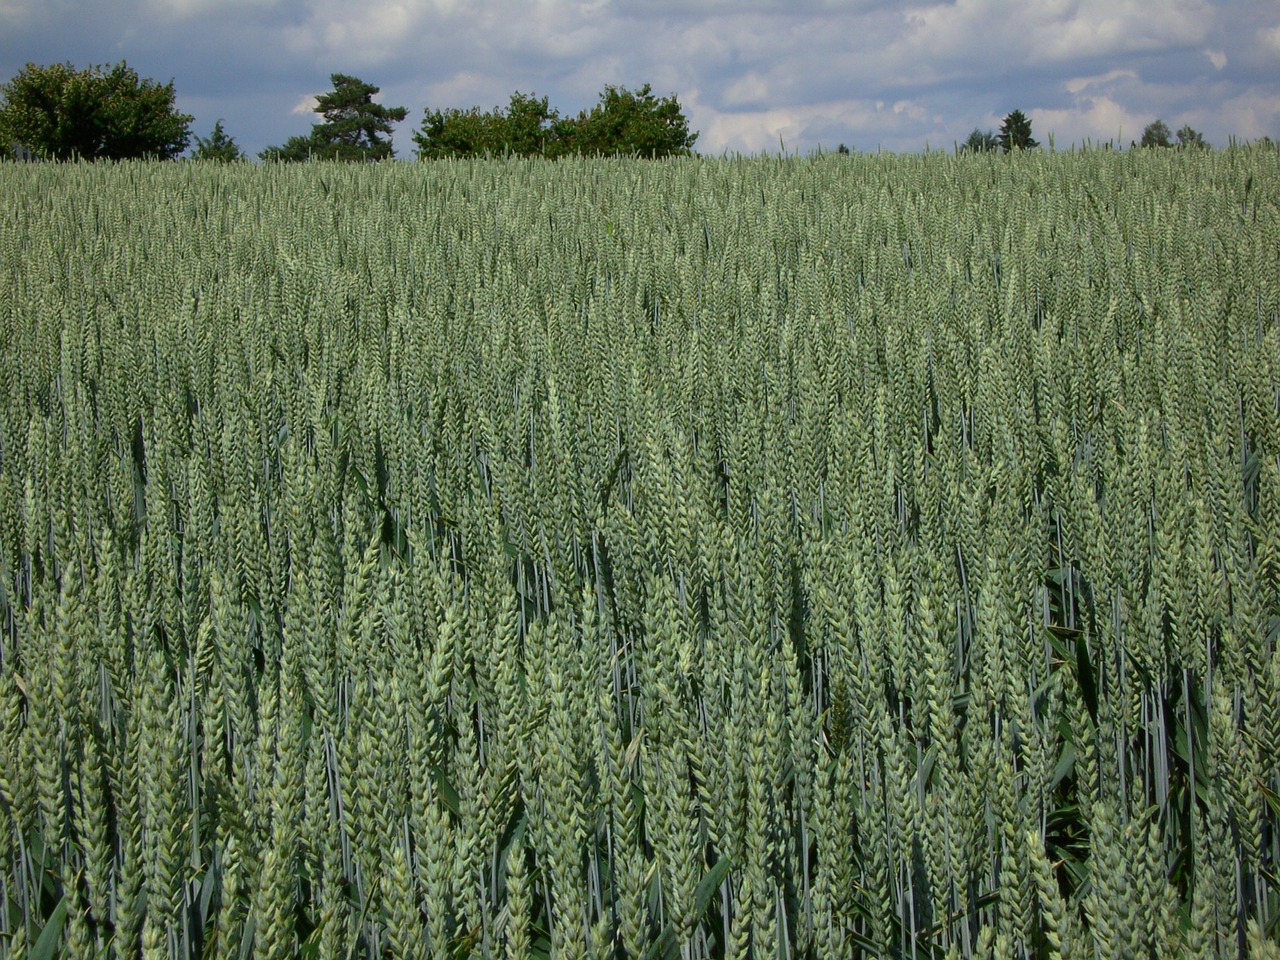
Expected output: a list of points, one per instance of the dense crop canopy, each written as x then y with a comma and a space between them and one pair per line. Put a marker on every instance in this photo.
831, 557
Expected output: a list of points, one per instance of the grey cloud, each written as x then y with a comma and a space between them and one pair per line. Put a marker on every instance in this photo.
747, 71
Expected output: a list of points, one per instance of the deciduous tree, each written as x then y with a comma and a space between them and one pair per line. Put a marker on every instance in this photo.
1156, 134
630, 122
99, 113
1190, 137
523, 130
217, 146
623, 122
980, 141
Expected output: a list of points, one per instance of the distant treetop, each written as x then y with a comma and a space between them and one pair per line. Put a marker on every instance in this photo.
1157, 134
354, 128
217, 146
980, 141
1015, 133
1190, 137
624, 122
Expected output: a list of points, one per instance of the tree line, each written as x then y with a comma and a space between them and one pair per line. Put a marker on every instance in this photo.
60, 113
1015, 134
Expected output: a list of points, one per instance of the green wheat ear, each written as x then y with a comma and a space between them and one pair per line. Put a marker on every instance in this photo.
839, 720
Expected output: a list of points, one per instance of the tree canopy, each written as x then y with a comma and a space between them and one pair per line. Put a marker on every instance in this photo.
623, 122
1190, 137
527, 128
217, 146
354, 127
631, 122
980, 141
1015, 133
99, 113
1156, 134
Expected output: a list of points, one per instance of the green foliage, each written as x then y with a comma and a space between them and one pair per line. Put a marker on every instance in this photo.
599, 557
527, 128
980, 141
218, 146
624, 122
1015, 133
1156, 134
99, 113
627, 122
354, 127
298, 149
1190, 137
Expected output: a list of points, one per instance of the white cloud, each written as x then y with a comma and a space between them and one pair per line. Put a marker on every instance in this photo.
912, 110
1096, 119
1053, 30
467, 89
864, 124
307, 105
381, 26
1077, 85
750, 131
863, 72
750, 88
1249, 115
361, 35
189, 9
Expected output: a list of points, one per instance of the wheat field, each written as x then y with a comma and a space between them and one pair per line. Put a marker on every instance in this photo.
771, 558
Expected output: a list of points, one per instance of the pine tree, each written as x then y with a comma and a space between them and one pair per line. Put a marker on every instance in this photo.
1015, 133
354, 126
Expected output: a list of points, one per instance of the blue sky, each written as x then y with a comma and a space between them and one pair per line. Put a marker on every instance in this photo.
749, 73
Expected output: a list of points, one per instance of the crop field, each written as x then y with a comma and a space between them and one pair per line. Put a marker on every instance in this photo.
771, 558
